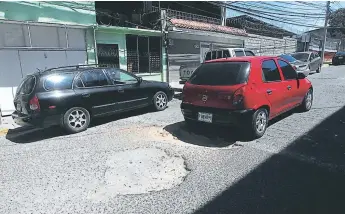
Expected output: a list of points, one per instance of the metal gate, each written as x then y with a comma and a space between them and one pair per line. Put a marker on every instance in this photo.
24, 48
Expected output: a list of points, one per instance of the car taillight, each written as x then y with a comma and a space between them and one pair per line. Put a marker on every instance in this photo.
34, 104
238, 97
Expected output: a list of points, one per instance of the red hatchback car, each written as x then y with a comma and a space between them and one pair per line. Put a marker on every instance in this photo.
245, 92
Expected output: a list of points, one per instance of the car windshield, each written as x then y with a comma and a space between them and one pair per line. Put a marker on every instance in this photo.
301, 56
340, 54
221, 73
289, 58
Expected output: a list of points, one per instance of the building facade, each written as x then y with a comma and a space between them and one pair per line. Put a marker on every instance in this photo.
313, 41
37, 35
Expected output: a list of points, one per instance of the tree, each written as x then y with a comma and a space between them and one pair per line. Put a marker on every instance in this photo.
337, 19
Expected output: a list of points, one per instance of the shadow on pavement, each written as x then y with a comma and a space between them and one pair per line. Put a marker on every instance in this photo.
209, 135
205, 134
306, 177
31, 134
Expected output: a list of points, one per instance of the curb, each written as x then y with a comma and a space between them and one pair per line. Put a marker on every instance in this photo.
3, 131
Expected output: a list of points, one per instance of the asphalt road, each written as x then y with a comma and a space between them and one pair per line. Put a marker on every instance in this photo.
297, 167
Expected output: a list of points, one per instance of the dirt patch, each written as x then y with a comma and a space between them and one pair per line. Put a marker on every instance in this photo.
179, 134
140, 171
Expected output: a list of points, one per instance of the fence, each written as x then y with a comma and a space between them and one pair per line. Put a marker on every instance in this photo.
269, 46
188, 16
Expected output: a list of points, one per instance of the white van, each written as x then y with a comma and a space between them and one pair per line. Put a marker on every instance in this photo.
186, 71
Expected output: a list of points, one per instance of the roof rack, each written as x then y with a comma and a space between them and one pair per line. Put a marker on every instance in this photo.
70, 66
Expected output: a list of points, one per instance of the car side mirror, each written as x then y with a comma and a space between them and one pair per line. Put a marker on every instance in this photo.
140, 80
300, 76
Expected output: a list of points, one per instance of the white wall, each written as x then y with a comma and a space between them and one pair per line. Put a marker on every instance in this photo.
269, 46
24, 49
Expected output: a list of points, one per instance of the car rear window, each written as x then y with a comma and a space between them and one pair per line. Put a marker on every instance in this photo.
239, 53
27, 85
58, 81
208, 56
221, 73
249, 53
340, 54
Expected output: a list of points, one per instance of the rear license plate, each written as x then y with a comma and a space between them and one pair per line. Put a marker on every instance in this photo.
340, 57
205, 117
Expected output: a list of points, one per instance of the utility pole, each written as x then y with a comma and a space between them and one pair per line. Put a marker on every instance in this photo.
165, 30
223, 14
325, 32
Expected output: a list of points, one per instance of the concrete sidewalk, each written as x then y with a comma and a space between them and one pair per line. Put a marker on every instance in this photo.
6, 124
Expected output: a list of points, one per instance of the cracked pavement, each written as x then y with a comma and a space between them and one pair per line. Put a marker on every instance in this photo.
297, 167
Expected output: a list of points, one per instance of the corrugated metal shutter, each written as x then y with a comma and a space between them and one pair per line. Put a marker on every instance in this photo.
24, 48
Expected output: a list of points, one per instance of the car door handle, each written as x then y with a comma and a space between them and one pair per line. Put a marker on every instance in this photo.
269, 91
85, 95
121, 90
289, 87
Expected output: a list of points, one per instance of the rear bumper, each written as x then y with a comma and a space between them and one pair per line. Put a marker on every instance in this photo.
219, 116
36, 120
338, 61
170, 94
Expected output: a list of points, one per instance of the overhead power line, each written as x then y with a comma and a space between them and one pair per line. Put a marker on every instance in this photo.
284, 11
300, 15
272, 18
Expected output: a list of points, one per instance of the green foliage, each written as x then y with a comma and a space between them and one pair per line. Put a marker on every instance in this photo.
337, 19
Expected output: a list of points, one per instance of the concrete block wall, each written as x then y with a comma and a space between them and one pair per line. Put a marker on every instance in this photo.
269, 46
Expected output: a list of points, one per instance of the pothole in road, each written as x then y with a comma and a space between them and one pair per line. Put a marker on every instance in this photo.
139, 171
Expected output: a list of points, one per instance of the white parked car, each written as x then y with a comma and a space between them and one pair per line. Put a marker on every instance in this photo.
187, 70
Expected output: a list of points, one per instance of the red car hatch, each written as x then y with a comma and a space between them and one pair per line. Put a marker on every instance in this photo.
217, 84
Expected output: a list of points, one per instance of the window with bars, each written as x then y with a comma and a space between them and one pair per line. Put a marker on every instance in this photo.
108, 55
143, 54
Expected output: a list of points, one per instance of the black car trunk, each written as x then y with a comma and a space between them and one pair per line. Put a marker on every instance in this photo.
24, 94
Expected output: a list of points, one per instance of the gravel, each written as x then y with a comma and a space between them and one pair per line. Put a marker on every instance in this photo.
213, 170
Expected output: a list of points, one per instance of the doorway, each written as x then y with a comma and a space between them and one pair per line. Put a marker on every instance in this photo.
108, 55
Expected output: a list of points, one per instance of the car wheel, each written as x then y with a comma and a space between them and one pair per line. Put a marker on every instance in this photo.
307, 101
259, 123
318, 70
160, 101
76, 120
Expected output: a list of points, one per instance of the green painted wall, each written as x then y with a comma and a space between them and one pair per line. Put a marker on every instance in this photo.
117, 35
90, 48
114, 37
62, 12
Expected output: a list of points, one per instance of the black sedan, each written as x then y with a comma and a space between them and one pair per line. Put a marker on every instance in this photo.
71, 96
339, 58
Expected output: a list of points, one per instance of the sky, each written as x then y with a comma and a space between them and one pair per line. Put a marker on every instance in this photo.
285, 6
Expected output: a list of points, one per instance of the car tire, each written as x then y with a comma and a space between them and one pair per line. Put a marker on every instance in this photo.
160, 101
76, 120
259, 123
318, 70
307, 101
